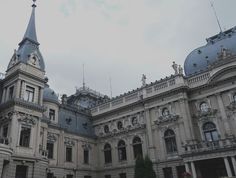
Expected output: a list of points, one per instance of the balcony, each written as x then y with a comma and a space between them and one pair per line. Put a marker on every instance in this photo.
4, 146
201, 147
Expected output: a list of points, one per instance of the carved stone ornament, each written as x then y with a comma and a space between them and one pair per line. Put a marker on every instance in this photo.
33, 60
166, 119
69, 142
29, 120
203, 115
14, 59
86, 146
51, 137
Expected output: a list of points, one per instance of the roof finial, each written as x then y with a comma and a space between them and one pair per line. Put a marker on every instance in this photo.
83, 78
214, 10
34, 5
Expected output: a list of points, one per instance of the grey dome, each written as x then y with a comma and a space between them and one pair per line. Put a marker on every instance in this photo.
199, 59
49, 95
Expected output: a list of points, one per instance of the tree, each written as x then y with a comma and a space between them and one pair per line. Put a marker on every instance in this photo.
144, 168
149, 172
139, 170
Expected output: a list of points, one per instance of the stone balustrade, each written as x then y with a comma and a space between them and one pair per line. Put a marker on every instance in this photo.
150, 90
204, 146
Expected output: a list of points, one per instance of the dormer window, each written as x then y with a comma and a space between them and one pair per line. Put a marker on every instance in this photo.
52, 114
204, 107
119, 125
29, 94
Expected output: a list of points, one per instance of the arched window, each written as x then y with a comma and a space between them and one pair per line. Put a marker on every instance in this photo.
137, 147
122, 150
170, 141
210, 132
204, 107
107, 153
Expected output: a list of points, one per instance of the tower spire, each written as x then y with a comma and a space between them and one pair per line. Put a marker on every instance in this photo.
30, 33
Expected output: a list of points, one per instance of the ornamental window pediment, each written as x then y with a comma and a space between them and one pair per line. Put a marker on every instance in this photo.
204, 109
27, 120
166, 115
69, 142
51, 137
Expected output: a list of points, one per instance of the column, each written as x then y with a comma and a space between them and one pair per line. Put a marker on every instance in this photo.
194, 174
229, 173
1, 167
234, 164
150, 145
223, 114
18, 89
187, 168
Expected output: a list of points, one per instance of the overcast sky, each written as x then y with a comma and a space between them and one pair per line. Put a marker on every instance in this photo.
117, 39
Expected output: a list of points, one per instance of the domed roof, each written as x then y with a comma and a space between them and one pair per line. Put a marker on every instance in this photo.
199, 59
50, 95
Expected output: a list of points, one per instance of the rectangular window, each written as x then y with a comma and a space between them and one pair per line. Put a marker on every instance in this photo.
29, 94
21, 171
11, 92
107, 176
122, 175
52, 114
68, 154
50, 147
49, 175
87, 176
5, 131
86, 156
69, 176
25, 136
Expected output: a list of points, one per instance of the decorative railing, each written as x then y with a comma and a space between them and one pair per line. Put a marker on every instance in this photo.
203, 146
44, 153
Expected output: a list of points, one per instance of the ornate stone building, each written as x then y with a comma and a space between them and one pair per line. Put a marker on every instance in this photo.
185, 122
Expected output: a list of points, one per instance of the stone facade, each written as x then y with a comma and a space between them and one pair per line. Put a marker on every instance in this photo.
184, 123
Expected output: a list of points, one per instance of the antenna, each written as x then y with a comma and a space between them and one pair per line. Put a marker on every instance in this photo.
110, 86
83, 78
214, 10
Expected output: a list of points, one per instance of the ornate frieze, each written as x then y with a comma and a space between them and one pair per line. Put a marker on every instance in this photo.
122, 125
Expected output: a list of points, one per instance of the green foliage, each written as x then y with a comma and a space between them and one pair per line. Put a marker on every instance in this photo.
139, 167
144, 168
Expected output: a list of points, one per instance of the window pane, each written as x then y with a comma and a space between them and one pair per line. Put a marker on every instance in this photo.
50, 147
25, 137
68, 154
86, 156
